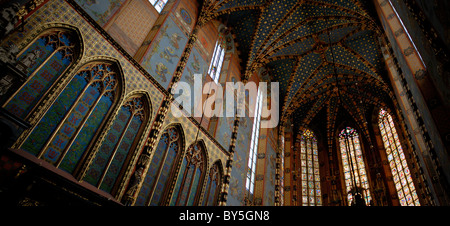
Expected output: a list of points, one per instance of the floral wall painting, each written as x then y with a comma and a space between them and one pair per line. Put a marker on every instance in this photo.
162, 58
100, 11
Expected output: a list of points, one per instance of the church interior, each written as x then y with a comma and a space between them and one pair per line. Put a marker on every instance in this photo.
88, 91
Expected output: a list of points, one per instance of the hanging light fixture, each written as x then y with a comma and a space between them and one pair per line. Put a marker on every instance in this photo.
358, 199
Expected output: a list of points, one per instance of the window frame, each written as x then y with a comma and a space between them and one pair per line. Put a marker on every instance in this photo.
253, 151
215, 66
305, 152
158, 4
354, 136
397, 159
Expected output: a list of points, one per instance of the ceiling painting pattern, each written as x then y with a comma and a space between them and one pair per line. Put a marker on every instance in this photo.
324, 54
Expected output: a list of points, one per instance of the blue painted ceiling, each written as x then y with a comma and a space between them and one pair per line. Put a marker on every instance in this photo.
323, 53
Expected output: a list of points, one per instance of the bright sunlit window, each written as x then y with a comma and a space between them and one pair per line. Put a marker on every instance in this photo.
216, 62
309, 157
355, 174
158, 4
399, 168
250, 183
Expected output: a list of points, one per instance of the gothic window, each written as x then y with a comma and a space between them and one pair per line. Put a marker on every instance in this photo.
44, 60
161, 169
217, 60
309, 161
213, 186
399, 168
70, 125
251, 172
119, 142
190, 179
355, 175
158, 4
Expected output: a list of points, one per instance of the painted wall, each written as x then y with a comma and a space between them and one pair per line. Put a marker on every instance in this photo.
159, 63
101, 11
132, 23
438, 75
165, 51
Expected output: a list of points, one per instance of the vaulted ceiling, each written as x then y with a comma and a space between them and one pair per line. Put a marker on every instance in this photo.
324, 54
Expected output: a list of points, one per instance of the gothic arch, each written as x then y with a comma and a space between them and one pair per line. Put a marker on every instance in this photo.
79, 111
109, 166
191, 176
158, 184
47, 58
213, 185
398, 163
350, 168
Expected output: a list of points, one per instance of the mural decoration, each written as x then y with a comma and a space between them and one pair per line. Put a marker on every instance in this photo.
185, 15
239, 170
162, 58
195, 65
100, 11
224, 128
269, 180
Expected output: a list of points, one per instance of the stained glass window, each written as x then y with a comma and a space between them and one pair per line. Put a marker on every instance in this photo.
399, 168
158, 4
188, 186
251, 170
215, 66
118, 143
68, 128
355, 175
310, 176
161, 168
213, 186
45, 60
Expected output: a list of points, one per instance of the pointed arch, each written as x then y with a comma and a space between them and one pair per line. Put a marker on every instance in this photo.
157, 183
189, 184
49, 55
120, 143
354, 167
398, 165
309, 169
70, 126
213, 185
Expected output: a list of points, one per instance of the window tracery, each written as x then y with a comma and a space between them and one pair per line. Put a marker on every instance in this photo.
118, 143
397, 162
161, 169
43, 61
188, 186
355, 175
310, 176
213, 186
70, 125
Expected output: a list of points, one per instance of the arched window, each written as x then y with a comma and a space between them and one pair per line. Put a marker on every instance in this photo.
213, 185
355, 175
190, 179
44, 60
68, 128
161, 169
215, 65
119, 143
399, 168
252, 156
309, 159
158, 4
